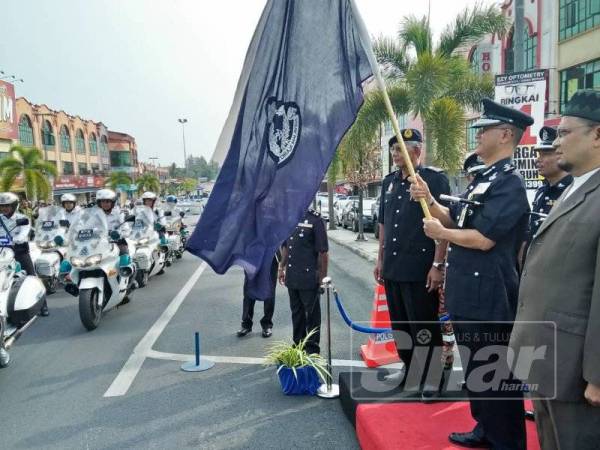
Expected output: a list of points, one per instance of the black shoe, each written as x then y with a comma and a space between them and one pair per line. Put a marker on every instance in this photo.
243, 332
267, 332
44, 311
469, 440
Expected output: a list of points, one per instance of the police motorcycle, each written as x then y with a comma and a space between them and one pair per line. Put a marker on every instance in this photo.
174, 229
151, 250
101, 277
51, 243
22, 296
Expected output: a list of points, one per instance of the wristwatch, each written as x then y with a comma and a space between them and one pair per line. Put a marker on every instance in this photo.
438, 265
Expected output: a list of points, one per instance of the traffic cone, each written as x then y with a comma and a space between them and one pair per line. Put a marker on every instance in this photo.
380, 349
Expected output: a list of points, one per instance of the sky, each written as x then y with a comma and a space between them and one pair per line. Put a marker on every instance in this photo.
139, 65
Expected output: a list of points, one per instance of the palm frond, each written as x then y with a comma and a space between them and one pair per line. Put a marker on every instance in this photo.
470, 26
416, 33
446, 125
390, 53
469, 89
427, 80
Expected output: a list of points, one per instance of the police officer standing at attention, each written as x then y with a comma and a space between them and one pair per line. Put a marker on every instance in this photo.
556, 180
481, 275
409, 263
303, 266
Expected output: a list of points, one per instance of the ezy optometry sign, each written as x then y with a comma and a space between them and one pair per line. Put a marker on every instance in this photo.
525, 91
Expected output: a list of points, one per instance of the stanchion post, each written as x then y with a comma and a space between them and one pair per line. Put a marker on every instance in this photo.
329, 389
197, 365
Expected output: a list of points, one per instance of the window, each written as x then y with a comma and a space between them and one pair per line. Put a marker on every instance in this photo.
475, 60
48, 140
577, 16
120, 159
584, 76
67, 168
471, 133
3, 155
65, 140
509, 54
93, 145
95, 168
83, 169
25, 131
530, 43
80, 143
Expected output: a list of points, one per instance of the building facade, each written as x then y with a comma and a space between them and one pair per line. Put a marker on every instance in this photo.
123, 153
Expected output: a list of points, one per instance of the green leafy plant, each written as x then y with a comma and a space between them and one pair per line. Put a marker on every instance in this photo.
293, 356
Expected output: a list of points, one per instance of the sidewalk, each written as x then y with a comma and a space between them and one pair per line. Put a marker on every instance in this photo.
346, 238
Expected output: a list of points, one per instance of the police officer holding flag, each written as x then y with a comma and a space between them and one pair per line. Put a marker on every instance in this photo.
485, 230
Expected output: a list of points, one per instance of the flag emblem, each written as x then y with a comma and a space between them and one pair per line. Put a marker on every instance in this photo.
283, 128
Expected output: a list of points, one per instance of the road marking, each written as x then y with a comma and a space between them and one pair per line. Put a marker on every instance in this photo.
246, 360
124, 379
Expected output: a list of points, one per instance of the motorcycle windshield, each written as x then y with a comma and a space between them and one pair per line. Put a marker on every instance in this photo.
88, 235
48, 224
143, 227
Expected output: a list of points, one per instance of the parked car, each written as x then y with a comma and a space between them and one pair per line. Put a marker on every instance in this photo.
350, 215
323, 206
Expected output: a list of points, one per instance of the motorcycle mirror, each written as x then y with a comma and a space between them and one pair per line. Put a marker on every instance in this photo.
114, 235
21, 222
168, 214
181, 214
58, 240
130, 218
64, 223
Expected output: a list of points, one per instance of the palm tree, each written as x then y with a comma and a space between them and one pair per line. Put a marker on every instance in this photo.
27, 162
118, 178
433, 82
148, 182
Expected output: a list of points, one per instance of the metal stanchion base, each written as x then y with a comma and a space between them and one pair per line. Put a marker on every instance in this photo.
191, 366
323, 392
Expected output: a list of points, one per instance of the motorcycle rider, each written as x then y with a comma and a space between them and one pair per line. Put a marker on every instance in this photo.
149, 199
69, 203
9, 206
106, 199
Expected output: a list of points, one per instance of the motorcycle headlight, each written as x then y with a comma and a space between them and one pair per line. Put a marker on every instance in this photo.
143, 241
45, 245
77, 262
93, 260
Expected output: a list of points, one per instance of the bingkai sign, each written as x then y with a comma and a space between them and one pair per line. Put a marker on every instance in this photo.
525, 91
8, 111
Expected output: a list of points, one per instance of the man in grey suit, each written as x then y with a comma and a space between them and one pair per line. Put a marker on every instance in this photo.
561, 286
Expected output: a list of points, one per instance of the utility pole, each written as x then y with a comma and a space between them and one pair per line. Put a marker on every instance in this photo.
185, 163
518, 36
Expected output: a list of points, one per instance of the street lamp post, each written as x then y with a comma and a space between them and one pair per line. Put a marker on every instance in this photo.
185, 164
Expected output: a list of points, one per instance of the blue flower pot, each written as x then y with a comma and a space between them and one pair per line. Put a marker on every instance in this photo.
306, 383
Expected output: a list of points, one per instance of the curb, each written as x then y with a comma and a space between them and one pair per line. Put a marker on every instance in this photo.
360, 252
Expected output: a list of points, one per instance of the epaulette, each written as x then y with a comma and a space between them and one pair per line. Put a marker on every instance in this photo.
434, 169
314, 213
390, 175
508, 168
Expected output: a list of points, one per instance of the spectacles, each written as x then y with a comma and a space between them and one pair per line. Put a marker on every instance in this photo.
519, 89
562, 132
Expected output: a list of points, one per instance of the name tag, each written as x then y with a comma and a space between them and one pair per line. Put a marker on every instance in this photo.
305, 225
480, 188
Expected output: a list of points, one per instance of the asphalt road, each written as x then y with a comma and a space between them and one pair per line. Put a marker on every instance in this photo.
52, 396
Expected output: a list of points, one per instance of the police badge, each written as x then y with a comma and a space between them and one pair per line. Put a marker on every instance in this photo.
283, 129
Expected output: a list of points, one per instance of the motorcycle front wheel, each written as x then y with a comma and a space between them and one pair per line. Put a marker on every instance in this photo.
90, 310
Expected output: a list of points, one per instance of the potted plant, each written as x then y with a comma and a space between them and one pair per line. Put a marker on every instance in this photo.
299, 373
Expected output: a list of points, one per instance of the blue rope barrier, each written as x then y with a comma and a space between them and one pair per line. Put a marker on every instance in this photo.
353, 325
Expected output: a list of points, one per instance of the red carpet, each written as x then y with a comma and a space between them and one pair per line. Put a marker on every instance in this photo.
416, 426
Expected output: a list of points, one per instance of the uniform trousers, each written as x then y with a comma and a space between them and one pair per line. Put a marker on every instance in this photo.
306, 316
409, 303
248, 313
499, 413
24, 258
567, 425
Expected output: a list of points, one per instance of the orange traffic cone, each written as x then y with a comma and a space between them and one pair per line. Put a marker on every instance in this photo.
380, 349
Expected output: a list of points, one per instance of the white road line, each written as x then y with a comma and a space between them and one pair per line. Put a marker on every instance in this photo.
246, 360
122, 382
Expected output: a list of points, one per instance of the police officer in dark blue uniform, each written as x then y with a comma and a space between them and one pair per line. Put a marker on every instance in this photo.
410, 264
556, 180
303, 266
485, 232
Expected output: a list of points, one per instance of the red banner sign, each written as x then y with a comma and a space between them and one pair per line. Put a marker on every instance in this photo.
78, 182
8, 112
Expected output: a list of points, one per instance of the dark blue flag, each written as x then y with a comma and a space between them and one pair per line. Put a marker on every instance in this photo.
299, 92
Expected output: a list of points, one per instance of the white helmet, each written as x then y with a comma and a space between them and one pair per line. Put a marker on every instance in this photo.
148, 195
106, 194
10, 199
68, 198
